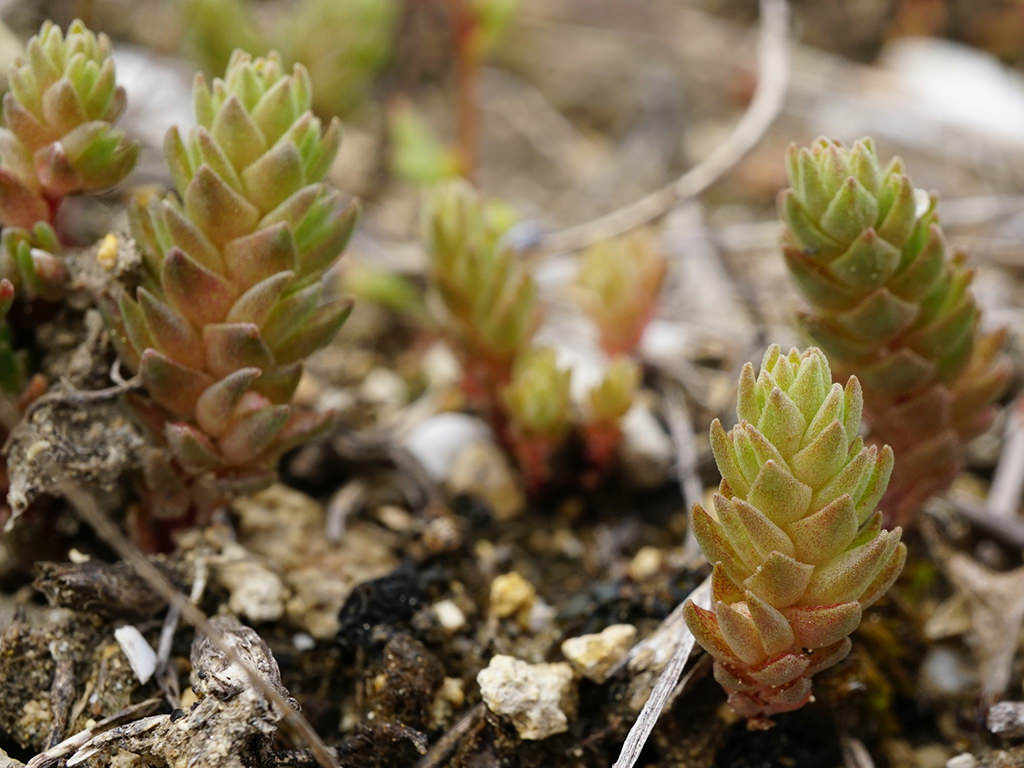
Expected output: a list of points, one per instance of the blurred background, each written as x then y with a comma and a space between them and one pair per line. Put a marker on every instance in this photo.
567, 109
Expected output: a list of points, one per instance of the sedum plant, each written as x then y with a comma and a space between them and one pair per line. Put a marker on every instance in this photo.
487, 298
232, 301
796, 543
618, 286
12, 362
59, 139
607, 403
889, 303
539, 410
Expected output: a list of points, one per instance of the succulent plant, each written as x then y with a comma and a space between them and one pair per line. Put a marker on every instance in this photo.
59, 137
608, 401
618, 287
487, 297
539, 410
29, 258
233, 298
796, 543
12, 362
890, 304
343, 43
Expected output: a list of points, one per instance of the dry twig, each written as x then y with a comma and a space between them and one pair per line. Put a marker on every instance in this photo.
444, 746
1008, 482
683, 439
773, 77
90, 512
72, 743
666, 684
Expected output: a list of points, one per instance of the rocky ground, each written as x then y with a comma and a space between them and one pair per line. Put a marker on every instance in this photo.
398, 584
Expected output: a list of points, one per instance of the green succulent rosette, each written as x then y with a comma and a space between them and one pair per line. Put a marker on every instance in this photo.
794, 536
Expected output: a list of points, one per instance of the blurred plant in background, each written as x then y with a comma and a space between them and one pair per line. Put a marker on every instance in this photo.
342, 43
486, 298
418, 155
484, 301
618, 285
539, 411
608, 401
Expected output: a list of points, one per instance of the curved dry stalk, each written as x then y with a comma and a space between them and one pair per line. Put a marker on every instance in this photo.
772, 81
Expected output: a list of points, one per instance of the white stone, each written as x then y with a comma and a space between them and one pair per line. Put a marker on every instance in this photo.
383, 386
140, 654
255, 591
535, 697
963, 760
436, 441
646, 450
449, 616
594, 656
482, 469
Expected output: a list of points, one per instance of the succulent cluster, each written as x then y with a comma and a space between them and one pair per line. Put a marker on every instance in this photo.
539, 410
487, 296
58, 140
890, 304
488, 305
618, 287
796, 542
608, 401
342, 43
233, 299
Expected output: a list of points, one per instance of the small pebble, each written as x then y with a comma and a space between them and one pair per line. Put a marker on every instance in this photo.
535, 697
449, 616
646, 563
1006, 719
397, 519
964, 760
511, 594
594, 656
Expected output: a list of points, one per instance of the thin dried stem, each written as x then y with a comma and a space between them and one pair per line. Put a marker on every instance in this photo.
662, 691
685, 442
1008, 482
773, 78
90, 512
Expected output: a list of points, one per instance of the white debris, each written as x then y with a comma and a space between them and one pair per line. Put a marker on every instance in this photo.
963, 760
449, 616
256, 592
1006, 719
141, 655
482, 469
646, 451
436, 441
535, 697
594, 656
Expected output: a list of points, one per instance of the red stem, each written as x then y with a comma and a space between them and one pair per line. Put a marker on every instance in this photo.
467, 71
